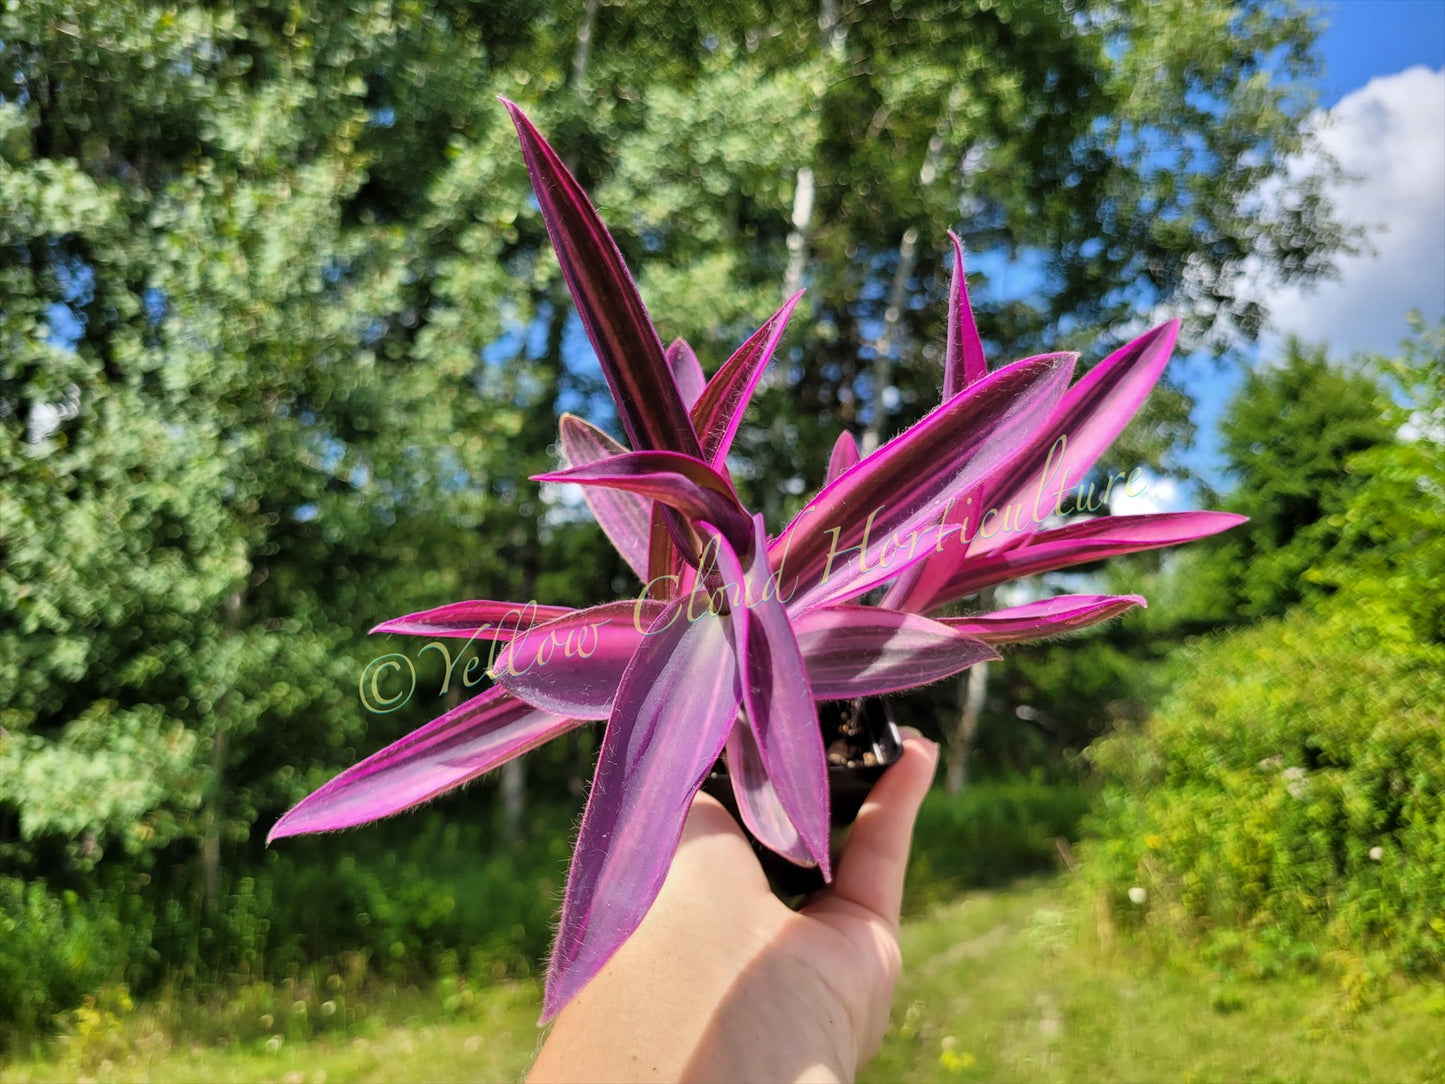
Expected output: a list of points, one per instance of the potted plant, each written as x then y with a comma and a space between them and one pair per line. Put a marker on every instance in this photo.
861, 740
737, 636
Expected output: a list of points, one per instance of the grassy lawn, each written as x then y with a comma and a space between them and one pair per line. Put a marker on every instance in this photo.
407, 1036
1004, 985
1012, 986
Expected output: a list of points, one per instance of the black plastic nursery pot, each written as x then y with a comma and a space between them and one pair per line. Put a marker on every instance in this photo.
861, 740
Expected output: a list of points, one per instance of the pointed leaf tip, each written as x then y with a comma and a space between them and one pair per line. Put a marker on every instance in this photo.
719, 409
686, 370
964, 360
844, 458
1073, 544
627, 346
472, 738
1044, 618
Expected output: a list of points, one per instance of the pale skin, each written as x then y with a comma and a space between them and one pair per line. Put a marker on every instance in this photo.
724, 982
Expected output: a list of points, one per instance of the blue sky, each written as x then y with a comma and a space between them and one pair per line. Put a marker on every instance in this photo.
1366, 38
1384, 92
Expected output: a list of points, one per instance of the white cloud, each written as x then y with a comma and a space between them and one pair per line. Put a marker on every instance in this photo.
1153, 493
1391, 135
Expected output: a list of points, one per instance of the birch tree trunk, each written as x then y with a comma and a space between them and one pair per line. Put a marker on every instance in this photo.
883, 344
897, 294
972, 691
972, 695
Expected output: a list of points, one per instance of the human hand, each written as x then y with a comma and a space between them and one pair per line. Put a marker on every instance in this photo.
722, 981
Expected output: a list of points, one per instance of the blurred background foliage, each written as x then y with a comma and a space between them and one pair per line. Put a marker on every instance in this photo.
1285, 803
281, 340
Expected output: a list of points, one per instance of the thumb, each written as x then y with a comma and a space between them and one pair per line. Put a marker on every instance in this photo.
871, 869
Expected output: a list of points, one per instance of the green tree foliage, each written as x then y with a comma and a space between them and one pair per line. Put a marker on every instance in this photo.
1289, 435
1390, 537
1094, 158
223, 435
1335, 466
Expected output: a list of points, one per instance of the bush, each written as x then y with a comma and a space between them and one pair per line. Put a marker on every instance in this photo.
1286, 803
425, 897
989, 833
54, 949
446, 890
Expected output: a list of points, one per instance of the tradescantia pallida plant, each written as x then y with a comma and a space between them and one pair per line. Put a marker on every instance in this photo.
737, 636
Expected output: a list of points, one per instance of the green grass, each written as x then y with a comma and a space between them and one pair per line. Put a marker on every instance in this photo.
1020, 985
406, 1036
1014, 984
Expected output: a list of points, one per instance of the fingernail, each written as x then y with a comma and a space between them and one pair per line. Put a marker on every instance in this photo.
909, 733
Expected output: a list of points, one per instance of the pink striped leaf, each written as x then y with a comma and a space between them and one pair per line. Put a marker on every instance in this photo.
719, 410
1078, 544
1047, 617
686, 371
573, 666
854, 651
626, 343
624, 517
681, 482
828, 552
678, 701
1088, 419
776, 698
845, 456
758, 802
476, 619
475, 737
963, 360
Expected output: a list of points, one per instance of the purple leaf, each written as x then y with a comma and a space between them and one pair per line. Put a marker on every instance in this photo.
573, 665
627, 346
758, 803
1074, 544
835, 548
718, 413
776, 697
625, 518
677, 703
854, 651
1088, 419
475, 737
664, 559
1048, 617
681, 482
964, 363
845, 456
479, 618
686, 372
